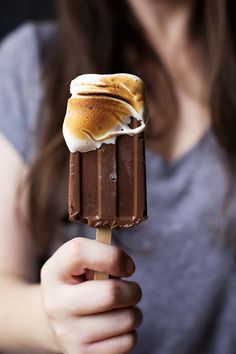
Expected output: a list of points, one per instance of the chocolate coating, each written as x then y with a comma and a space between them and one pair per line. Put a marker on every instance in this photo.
107, 186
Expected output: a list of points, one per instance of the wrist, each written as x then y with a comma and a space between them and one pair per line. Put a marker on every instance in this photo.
46, 337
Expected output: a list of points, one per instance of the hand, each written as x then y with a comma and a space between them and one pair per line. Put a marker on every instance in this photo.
88, 316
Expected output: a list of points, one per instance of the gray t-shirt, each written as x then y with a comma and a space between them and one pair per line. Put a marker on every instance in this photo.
186, 272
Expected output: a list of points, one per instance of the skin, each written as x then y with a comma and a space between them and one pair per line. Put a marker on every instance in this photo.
60, 314
67, 312
183, 61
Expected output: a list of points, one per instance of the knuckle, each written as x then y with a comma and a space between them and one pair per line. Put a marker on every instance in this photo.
116, 257
61, 332
77, 245
85, 336
130, 318
133, 318
129, 341
112, 291
77, 249
70, 344
50, 308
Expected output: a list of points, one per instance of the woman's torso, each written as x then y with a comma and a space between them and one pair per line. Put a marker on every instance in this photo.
186, 272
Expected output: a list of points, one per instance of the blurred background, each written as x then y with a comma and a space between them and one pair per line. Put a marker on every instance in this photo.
15, 12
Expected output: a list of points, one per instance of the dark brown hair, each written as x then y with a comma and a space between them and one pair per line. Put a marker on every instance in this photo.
104, 36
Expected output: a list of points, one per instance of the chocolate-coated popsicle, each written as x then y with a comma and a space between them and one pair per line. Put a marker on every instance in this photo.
103, 129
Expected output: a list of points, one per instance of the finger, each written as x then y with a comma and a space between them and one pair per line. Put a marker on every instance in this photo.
93, 297
120, 345
80, 254
110, 324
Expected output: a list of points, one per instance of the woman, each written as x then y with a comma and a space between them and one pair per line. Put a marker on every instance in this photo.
185, 52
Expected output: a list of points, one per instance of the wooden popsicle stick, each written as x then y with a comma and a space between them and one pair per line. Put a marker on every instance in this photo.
104, 236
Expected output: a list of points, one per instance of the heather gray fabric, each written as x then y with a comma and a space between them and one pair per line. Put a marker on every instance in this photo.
187, 275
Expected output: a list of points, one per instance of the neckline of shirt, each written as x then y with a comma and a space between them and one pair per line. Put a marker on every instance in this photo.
158, 162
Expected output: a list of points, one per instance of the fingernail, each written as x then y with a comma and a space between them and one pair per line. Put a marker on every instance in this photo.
130, 267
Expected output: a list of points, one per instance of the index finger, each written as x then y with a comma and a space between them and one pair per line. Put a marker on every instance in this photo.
78, 255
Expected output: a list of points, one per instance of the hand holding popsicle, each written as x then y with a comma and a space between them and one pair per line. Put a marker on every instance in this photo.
96, 317
106, 191
103, 129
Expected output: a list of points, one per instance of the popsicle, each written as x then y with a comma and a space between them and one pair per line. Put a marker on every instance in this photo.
104, 131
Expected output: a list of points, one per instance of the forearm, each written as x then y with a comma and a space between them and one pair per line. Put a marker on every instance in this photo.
24, 326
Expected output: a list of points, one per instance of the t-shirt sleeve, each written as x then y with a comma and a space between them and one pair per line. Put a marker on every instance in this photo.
20, 90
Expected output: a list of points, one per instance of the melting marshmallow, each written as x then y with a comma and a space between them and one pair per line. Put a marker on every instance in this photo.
100, 109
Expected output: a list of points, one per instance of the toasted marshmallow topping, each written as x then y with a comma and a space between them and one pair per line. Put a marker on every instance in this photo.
100, 109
